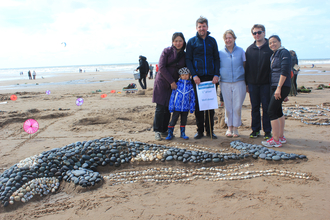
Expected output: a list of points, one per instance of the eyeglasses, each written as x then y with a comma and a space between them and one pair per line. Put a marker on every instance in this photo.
258, 32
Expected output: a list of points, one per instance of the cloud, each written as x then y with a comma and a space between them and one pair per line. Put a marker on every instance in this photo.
119, 31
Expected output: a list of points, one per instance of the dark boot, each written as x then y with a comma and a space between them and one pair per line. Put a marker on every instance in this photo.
183, 134
170, 133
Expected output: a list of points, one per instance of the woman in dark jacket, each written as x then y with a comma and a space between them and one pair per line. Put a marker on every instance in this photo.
171, 60
280, 89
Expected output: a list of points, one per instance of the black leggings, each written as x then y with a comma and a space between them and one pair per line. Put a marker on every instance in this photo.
275, 106
175, 116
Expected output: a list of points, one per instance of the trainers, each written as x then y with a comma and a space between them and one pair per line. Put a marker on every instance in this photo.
213, 135
267, 135
254, 134
271, 143
198, 135
282, 140
158, 136
164, 134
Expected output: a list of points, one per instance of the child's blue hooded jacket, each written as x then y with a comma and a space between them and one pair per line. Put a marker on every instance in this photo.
183, 98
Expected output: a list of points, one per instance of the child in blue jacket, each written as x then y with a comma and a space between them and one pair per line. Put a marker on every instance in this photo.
182, 100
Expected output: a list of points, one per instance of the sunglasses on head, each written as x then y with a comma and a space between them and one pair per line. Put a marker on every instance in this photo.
258, 32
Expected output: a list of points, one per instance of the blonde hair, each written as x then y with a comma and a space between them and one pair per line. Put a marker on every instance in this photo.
230, 31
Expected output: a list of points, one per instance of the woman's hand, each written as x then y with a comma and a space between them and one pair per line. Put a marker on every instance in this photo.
277, 93
173, 85
215, 79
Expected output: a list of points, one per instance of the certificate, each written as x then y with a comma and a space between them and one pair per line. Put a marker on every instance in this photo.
207, 96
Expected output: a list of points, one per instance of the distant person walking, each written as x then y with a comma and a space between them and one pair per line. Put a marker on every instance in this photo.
151, 71
257, 78
144, 69
29, 74
34, 74
157, 69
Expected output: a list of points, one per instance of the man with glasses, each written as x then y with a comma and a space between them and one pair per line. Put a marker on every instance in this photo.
257, 72
202, 59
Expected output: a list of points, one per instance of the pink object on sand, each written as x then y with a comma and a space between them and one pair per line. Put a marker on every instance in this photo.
31, 126
79, 101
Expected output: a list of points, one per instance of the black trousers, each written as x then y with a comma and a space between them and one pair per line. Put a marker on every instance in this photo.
175, 117
202, 117
144, 83
162, 118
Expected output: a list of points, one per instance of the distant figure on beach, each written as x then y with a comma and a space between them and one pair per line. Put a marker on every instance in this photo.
295, 70
171, 60
257, 72
157, 69
312, 65
34, 74
29, 74
151, 69
203, 61
144, 69
21, 73
280, 88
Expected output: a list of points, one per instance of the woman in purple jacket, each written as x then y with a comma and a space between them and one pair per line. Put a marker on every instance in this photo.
171, 60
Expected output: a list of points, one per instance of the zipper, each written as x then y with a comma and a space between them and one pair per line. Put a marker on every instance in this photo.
258, 73
183, 94
232, 71
205, 56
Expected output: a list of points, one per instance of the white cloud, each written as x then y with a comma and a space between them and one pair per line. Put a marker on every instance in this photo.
118, 31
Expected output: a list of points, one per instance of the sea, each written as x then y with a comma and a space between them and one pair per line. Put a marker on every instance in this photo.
7, 74
54, 71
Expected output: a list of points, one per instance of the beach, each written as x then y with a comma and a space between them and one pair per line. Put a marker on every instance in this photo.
129, 116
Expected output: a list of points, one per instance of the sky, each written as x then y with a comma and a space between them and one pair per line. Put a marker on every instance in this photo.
112, 31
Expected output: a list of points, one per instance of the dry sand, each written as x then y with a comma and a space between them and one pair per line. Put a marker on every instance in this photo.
130, 116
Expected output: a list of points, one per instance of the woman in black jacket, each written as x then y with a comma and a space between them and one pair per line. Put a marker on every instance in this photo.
280, 88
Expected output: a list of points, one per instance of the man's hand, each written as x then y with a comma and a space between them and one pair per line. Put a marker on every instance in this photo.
197, 80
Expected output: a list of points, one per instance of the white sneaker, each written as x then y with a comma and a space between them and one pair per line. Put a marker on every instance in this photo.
271, 143
282, 140
158, 136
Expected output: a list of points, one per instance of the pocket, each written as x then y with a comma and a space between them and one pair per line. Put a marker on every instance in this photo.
199, 65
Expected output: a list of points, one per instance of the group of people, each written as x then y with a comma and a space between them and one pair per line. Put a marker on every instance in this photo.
263, 70
34, 74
